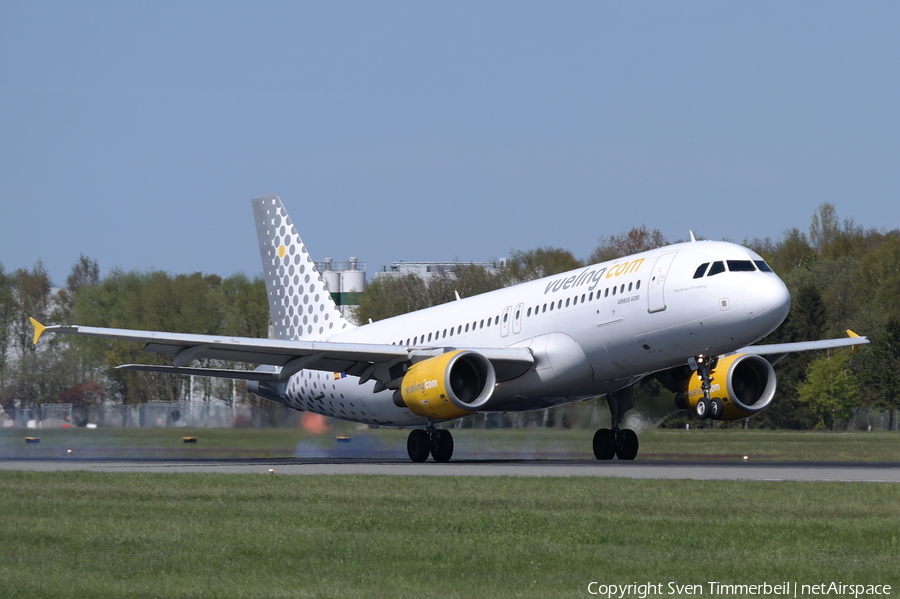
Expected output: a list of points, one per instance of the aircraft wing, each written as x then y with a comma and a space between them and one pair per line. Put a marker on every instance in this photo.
775, 352
365, 360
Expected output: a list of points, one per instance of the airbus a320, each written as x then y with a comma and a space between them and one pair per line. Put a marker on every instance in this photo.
687, 314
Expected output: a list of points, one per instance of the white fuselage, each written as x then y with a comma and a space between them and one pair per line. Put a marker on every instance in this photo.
592, 331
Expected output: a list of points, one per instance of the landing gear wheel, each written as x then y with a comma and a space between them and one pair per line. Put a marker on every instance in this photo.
703, 409
418, 446
715, 409
441, 445
628, 444
604, 444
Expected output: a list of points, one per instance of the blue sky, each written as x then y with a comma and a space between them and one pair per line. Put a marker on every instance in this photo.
136, 132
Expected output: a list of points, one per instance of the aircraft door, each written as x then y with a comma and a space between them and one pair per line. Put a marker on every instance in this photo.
655, 289
504, 321
517, 319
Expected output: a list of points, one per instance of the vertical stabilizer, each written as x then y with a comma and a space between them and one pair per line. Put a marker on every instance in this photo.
300, 305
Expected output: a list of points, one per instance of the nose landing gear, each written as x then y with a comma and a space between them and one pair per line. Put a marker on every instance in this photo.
706, 407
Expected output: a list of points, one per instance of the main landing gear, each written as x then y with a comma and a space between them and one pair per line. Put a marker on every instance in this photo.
706, 407
430, 440
622, 442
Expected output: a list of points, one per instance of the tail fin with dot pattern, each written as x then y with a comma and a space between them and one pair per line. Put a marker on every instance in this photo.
300, 306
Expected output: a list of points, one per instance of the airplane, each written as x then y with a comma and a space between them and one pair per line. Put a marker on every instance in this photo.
687, 314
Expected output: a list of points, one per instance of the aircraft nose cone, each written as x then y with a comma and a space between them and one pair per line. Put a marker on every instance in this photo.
768, 298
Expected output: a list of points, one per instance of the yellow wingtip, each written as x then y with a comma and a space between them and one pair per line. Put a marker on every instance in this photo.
855, 348
38, 330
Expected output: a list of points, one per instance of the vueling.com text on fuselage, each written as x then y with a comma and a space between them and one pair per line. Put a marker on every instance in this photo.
593, 276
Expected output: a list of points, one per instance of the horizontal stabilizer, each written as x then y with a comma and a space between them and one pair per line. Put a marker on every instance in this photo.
246, 375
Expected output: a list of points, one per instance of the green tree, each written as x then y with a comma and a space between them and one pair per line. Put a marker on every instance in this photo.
805, 322
391, 296
638, 239
85, 272
465, 279
830, 388
793, 251
824, 228
538, 263
37, 374
245, 309
879, 275
7, 320
879, 369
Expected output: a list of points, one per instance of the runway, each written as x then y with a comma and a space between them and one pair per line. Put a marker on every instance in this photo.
655, 469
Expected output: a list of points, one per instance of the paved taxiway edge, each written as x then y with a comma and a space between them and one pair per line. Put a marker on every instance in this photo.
810, 471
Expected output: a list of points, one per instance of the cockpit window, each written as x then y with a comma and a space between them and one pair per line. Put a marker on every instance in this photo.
716, 268
701, 270
761, 264
741, 266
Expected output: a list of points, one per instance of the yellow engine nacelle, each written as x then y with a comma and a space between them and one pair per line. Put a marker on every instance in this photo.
450, 385
743, 383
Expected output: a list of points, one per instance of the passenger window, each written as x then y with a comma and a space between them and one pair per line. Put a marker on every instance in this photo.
482, 325
716, 268
467, 327
545, 308
740, 266
551, 306
497, 320
591, 297
761, 264
429, 337
606, 292
451, 331
582, 298
638, 286
622, 290
701, 270
559, 305
567, 302
489, 321
629, 286
614, 290
416, 340
575, 300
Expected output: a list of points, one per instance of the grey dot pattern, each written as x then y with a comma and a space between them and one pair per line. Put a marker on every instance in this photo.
320, 393
300, 306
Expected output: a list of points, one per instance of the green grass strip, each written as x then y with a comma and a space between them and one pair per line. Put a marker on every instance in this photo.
78, 534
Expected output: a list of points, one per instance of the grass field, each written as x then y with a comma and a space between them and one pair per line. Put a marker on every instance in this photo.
196, 535
537, 443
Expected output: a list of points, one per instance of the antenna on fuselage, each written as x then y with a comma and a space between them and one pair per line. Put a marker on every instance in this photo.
692, 236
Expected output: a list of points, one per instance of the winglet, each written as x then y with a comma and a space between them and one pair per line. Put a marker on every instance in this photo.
855, 348
38, 330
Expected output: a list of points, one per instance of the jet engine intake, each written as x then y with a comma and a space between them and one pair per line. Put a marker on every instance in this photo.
451, 385
743, 384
